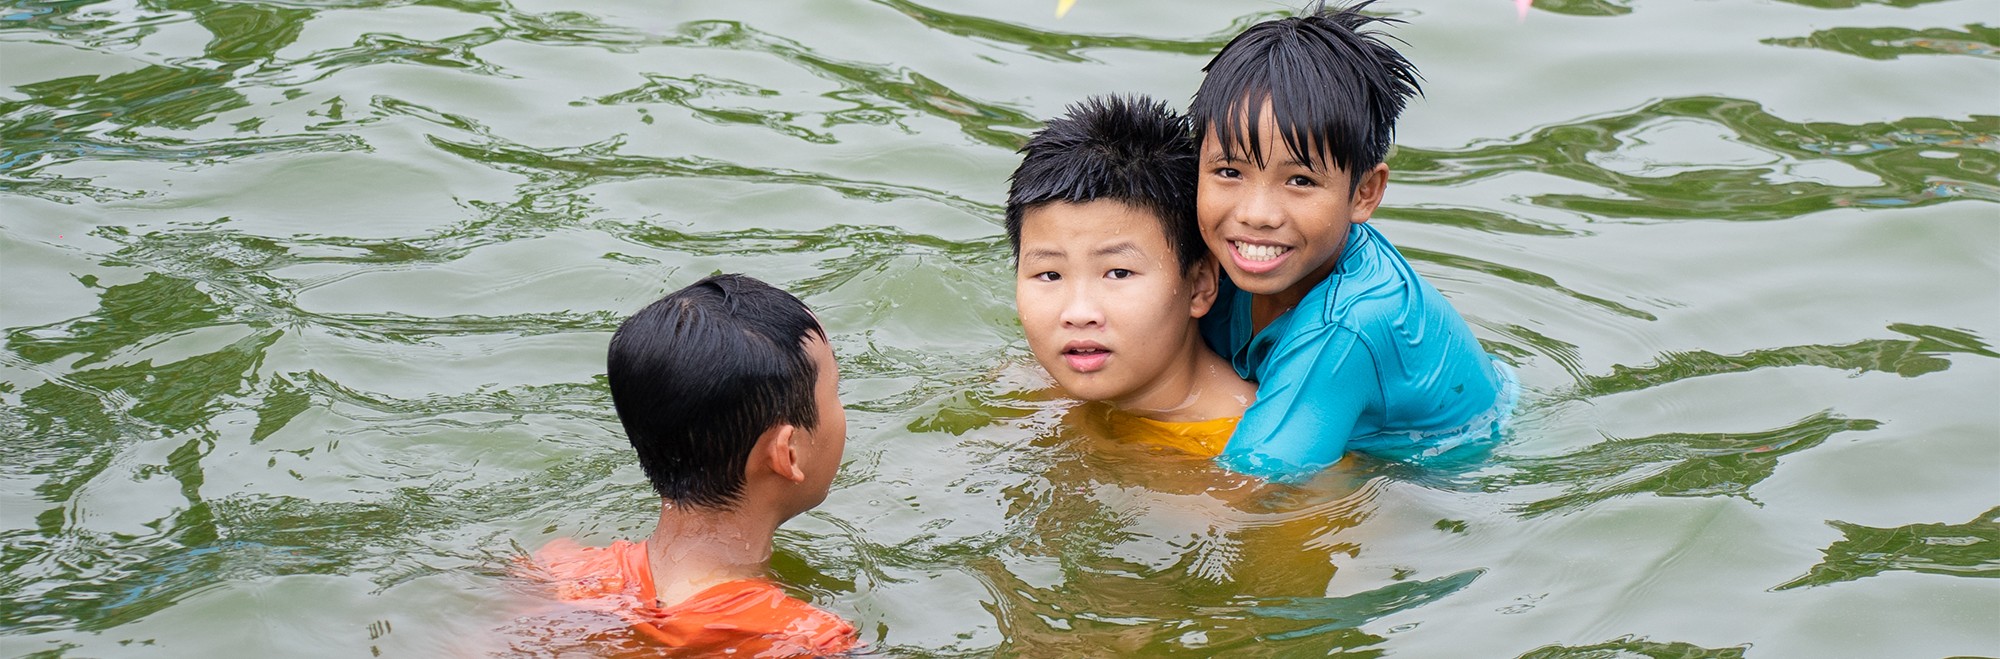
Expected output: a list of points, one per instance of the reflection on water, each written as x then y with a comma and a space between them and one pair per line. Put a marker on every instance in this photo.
1965, 550
1849, 4
1922, 354
1894, 42
1670, 464
1900, 159
1069, 46
306, 308
878, 94
1584, 7
1637, 647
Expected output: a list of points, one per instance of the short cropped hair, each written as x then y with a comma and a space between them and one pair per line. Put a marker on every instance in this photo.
697, 376
1129, 149
1330, 83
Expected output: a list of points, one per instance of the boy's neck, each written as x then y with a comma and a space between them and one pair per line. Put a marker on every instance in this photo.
695, 547
1201, 388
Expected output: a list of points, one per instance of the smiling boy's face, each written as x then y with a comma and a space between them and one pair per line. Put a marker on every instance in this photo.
1104, 304
1278, 228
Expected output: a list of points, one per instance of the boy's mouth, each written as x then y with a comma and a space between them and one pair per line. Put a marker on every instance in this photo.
1256, 258
1085, 356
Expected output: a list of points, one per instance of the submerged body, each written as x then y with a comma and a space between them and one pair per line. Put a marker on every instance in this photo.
1123, 431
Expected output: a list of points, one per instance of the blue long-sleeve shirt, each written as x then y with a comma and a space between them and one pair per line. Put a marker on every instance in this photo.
1373, 359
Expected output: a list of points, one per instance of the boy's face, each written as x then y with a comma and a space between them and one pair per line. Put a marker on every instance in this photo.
1102, 299
1278, 229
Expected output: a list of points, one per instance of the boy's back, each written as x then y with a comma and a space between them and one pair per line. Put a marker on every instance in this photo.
728, 393
751, 617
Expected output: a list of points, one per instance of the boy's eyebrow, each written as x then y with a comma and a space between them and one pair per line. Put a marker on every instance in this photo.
1288, 162
1123, 247
1042, 253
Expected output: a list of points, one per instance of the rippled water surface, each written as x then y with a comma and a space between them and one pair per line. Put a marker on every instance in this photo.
306, 303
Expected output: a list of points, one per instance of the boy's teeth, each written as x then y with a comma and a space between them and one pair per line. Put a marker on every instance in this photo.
1259, 252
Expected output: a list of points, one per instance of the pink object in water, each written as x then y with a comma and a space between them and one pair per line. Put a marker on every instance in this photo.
1521, 9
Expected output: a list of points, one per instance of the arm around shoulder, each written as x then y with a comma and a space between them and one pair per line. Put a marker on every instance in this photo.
1311, 395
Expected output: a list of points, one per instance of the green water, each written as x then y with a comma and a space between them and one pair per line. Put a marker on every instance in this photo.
305, 307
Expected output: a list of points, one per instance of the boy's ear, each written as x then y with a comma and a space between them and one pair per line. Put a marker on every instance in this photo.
1367, 194
1203, 286
778, 446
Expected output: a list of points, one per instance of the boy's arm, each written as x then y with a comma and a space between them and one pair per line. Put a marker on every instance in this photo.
1309, 397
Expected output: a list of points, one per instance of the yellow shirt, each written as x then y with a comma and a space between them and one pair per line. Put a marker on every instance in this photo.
1200, 438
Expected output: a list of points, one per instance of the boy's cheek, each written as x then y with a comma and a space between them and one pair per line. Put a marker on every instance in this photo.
1033, 322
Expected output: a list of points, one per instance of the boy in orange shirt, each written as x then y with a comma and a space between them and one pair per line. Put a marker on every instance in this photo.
1112, 273
726, 390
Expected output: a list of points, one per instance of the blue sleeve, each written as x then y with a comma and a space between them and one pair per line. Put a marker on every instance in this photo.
1309, 397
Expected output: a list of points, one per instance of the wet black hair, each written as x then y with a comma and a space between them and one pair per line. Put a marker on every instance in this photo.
697, 376
1331, 84
1129, 149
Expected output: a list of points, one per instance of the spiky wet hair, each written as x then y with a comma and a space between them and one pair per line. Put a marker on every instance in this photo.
1129, 149
1331, 83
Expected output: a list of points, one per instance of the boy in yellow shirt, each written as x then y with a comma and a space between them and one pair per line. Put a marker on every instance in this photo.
1112, 274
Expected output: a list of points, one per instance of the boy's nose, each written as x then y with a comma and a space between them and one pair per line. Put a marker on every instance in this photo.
1258, 210
1081, 310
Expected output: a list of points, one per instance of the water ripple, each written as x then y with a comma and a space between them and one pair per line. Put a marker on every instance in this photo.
574, 167
186, 431
1669, 464
1922, 354
1919, 161
874, 90
1066, 46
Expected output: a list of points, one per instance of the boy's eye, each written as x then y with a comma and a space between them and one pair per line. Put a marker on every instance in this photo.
1046, 276
1302, 181
1228, 172
1118, 273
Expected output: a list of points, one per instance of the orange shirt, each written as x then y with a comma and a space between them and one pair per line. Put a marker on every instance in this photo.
749, 617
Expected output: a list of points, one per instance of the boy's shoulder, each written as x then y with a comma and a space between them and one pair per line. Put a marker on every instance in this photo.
752, 616
749, 616
1374, 283
580, 573
1373, 287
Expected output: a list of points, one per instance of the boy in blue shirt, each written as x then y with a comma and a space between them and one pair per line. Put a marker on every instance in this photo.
1350, 348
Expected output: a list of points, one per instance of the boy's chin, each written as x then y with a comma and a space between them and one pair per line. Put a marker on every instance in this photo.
1269, 283
1086, 392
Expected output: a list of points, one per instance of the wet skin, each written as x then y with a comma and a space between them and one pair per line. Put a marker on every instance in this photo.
1278, 228
1110, 313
